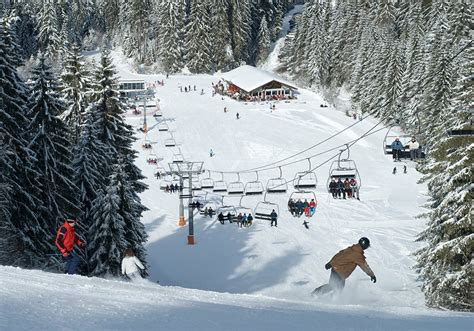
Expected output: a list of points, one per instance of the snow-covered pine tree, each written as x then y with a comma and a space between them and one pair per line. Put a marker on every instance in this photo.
241, 29
278, 22
172, 16
198, 56
91, 157
139, 27
22, 234
263, 41
23, 25
130, 209
48, 29
107, 245
50, 142
220, 35
446, 262
75, 87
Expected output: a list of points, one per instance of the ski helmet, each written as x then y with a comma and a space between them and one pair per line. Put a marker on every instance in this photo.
364, 242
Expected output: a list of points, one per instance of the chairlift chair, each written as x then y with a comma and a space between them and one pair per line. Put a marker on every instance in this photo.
404, 138
277, 184
196, 185
166, 181
220, 185
178, 158
306, 179
158, 113
236, 187
264, 209
242, 209
207, 182
303, 196
254, 187
170, 142
343, 168
207, 206
163, 127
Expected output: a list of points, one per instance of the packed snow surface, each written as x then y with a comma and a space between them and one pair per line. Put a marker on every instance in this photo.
256, 278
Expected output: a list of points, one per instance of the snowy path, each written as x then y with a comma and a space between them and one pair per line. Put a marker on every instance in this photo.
272, 62
34, 300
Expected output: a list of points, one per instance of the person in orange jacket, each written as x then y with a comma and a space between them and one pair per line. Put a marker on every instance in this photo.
65, 241
343, 264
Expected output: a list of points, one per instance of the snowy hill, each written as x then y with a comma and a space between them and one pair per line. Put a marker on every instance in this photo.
35, 300
267, 273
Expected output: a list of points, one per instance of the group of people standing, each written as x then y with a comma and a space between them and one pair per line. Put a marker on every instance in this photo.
341, 189
298, 207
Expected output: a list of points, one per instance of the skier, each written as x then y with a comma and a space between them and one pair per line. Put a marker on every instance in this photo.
237, 115
194, 87
343, 264
181, 89
333, 188
414, 147
225, 109
185, 89
220, 217
274, 218
202, 91
65, 241
397, 148
211, 153
131, 265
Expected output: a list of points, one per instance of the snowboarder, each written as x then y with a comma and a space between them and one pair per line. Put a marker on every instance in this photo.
274, 218
237, 115
343, 264
131, 265
65, 241
397, 148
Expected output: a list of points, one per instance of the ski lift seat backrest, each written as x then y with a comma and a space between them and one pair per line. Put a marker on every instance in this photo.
305, 180
235, 188
220, 186
254, 188
277, 185
170, 142
207, 183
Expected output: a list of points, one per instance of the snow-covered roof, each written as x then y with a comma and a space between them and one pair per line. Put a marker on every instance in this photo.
249, 78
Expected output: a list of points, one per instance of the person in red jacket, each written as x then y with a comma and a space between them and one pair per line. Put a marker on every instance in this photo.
65, 241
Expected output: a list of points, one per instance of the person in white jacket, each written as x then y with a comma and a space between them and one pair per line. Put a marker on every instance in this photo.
131, 265
414, 147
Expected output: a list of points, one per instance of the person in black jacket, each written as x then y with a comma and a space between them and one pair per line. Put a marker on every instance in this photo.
340, 188
221, 217
274, 217
333, 188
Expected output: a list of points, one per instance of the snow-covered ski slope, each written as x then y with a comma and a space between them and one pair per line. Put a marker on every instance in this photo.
255, 278
39, 301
